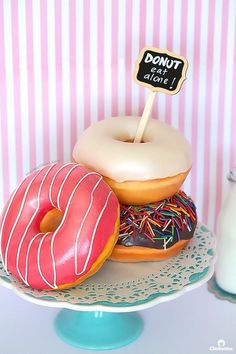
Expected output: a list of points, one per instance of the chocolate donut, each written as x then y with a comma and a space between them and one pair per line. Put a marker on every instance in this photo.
156, 231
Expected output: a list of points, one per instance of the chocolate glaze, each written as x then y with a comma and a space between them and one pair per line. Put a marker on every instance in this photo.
176, 217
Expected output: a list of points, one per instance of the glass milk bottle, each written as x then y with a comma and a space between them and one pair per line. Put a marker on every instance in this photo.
225, 270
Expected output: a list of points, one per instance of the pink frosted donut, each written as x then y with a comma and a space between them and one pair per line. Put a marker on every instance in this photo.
80, 243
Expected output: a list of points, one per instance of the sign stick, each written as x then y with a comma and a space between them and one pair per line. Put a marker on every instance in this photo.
145, 117
160, 71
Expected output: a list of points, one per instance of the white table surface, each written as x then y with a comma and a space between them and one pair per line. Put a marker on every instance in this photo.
190, 324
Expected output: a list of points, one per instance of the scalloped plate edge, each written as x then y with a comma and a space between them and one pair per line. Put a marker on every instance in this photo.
113, 307
110, 307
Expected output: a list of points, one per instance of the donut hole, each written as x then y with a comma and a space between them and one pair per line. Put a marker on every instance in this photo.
51, 220
129, 140
132, 141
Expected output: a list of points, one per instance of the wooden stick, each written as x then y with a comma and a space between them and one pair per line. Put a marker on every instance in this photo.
145, 117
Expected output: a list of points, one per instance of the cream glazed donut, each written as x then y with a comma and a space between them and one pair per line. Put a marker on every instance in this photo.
59, 226
139, 173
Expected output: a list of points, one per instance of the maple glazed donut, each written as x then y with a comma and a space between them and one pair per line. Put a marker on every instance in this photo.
156, 231
139, 173
59, 226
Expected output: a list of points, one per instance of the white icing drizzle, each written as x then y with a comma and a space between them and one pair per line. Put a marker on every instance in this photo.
31, 220
27, 256
3, 223
93, 235
54, 285
38, 262
53, 180
5, 216
5, 260
83, 221
62, 185
39, 234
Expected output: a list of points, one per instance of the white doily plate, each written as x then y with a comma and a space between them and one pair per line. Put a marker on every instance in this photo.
126, 287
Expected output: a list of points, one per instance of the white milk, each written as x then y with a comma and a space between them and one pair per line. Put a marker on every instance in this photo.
225, 271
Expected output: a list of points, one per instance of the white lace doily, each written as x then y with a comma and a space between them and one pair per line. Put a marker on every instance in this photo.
130, 286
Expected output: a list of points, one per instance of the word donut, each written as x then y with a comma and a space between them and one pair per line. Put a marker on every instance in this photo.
59, 226
157, 231
139, 173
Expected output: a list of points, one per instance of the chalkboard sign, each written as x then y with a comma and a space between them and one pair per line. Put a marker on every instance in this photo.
160, 70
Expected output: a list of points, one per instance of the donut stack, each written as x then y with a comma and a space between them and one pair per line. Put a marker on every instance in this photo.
119, 200
157, 219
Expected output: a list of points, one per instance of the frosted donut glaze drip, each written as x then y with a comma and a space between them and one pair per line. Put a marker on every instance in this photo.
158, 225
48, 260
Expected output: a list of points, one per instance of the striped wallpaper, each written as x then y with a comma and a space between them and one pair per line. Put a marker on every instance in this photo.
67, 63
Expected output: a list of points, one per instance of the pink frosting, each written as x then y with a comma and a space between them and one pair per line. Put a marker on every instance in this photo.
48, 260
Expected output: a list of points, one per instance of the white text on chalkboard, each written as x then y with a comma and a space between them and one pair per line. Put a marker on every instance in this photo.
162, 61
160, 70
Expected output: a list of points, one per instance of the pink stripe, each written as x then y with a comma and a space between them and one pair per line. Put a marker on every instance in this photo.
73, 70
183, 51
59, 91
86, 62
233, 112
142, 43
100, 59
17, 91
221, 95
114, 58
30, 81
208, 110
128, 57
195, 94
156, 23
3, 112
170, 28
156, 40
44, 63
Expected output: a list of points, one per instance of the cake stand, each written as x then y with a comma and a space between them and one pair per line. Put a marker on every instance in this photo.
101, 313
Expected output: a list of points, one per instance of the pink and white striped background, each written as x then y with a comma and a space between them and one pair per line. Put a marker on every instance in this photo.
65, 64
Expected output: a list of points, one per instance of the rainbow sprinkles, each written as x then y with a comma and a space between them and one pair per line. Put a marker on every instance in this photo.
158, 225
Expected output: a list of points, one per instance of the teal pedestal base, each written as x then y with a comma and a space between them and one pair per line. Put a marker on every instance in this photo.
97, 330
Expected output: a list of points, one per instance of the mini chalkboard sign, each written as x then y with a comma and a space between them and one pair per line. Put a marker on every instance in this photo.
159, 70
